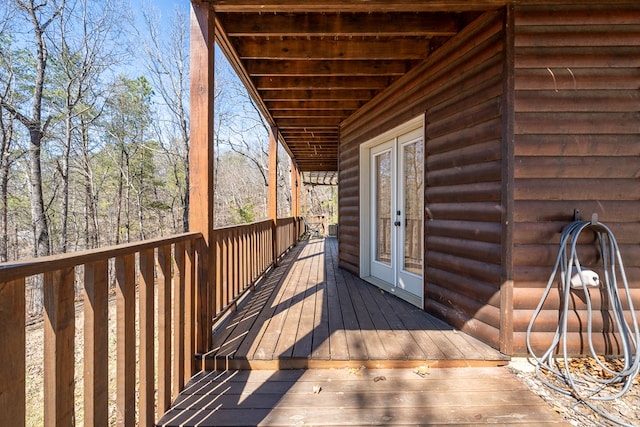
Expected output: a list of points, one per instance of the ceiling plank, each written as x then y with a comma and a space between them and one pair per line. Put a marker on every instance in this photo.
329, 142
319, 94
308, 123
313, 105
329, 82
352, 49
280, 114
261, 67
345, 24
317, 133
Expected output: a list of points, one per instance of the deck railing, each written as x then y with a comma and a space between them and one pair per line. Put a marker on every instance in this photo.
161, 280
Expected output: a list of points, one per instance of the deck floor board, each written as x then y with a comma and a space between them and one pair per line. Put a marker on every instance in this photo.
308, 312
445, 396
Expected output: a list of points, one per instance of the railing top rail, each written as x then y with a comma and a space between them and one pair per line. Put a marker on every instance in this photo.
287, 220
232, 227
265, 221
23, 268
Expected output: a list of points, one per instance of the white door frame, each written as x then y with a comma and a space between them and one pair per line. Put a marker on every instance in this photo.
366, 243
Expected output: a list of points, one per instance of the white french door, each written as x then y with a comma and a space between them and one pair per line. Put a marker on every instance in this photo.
395, 222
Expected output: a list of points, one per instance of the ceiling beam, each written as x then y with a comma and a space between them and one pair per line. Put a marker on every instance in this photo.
329, 82
320, 133
313, 105
351, 49
280, 114
319, 95
333, 6
345, 24
261, 67
309, 123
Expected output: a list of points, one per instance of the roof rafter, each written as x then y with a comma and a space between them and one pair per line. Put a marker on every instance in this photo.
345, 24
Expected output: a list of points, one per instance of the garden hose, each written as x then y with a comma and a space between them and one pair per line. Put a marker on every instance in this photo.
574, 277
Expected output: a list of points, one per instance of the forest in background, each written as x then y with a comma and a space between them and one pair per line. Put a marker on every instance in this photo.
94, 130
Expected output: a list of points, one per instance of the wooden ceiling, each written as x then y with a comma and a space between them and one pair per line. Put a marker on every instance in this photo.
311, 64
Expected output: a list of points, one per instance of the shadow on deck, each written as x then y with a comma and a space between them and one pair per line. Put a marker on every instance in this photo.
308, 313
315, 345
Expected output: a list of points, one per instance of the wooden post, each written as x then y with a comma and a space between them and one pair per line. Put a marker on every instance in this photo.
508, 161
12, 353
201, 155
273, 188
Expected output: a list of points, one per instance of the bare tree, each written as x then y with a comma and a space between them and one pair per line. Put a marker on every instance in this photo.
40, 15
83, 52
6, 132
168, 66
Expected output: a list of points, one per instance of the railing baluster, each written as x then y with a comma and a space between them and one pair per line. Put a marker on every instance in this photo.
12, 353
96, 344
59, 357
146, 322
252, 253
224, 266
243, 260
189, 307
203, 320
219, 277
126, 340
178, 319
238, 270
164, 329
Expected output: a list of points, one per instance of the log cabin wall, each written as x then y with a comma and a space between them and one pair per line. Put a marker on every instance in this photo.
577, 146
459, 88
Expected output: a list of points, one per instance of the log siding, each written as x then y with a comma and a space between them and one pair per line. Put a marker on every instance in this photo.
577, 146
459, 89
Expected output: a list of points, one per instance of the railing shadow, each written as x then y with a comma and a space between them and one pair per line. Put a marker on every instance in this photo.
244, 397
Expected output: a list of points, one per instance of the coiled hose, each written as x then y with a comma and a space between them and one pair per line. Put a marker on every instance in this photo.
589, 387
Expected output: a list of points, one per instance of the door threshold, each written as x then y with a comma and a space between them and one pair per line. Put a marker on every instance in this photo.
394, 290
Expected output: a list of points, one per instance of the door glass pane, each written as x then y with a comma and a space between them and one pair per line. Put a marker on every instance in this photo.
413, 195
383, 207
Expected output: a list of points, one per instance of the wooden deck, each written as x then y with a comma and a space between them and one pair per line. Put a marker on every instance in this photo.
351, 396
308, 313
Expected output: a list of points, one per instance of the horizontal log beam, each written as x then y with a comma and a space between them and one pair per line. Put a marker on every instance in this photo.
318, 95
260, 67
361, 49
314, 105
375, 24
279, 114
329, 6
329, 82
311, 123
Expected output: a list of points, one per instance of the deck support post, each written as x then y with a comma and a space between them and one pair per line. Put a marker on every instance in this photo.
508, 160
201, 155
273, 189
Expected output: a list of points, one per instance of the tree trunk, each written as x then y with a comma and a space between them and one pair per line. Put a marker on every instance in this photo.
6, 129
64, 172
39, 221
91, 218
